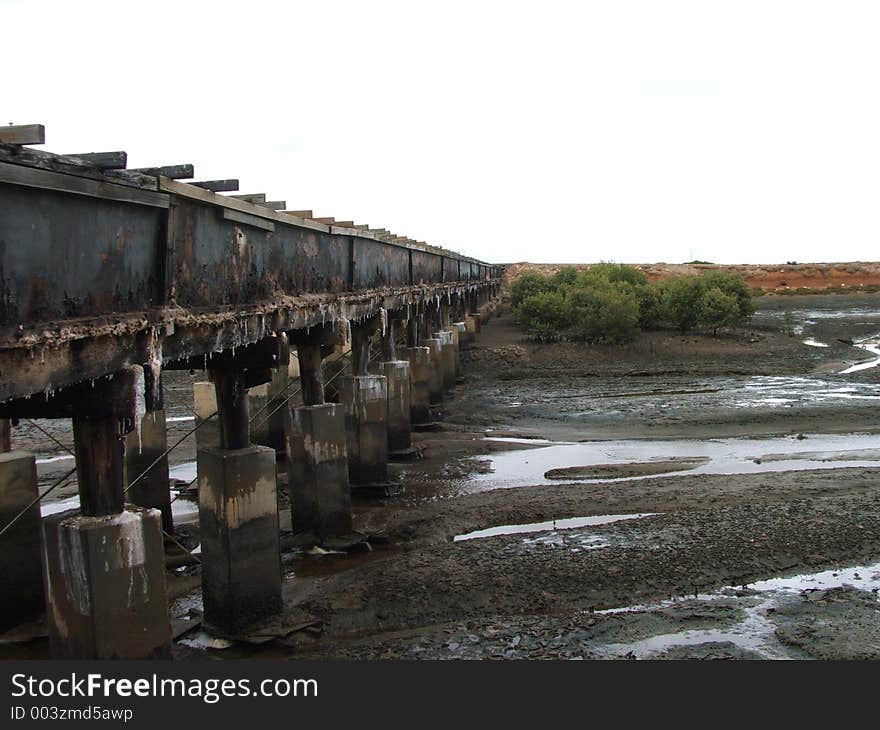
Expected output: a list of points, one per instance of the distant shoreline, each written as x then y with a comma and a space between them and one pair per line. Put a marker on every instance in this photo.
799, 278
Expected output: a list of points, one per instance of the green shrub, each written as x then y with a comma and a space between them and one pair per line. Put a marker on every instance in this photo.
527, 285
612, 303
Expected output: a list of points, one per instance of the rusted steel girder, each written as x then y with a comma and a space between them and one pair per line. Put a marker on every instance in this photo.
102, 271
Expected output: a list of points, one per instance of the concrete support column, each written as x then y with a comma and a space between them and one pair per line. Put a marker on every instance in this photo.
399, 387
317, 471
105, 583
21, 574
205, 406
459, 334
5, 435
238, 523
412, 332
103, 565
447, 359
435, 382
420, 385
145, 452
365, 398
473, 323
238, 517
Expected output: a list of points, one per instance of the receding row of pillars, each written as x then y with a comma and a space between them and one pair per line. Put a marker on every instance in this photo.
99, 571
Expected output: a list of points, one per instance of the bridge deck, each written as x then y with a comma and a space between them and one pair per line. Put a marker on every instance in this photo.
100, 269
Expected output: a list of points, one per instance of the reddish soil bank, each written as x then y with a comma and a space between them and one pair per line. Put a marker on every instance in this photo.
765, 277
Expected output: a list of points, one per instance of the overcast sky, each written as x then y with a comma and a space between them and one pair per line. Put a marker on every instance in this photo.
735, 132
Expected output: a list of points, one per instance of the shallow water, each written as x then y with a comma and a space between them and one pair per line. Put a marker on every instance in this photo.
183, 510
549, 526
726, 456
511, 469
755, 632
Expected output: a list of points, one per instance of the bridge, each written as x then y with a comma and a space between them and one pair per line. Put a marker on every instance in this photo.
110, 276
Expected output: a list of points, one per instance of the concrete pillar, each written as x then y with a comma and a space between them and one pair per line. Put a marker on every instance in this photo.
21, 575
365, 398
5, 435
143, 447
399, 388
460, 333
435, 382
420, 385
105, 579
447, 359
238, 523
205, 405
317, 471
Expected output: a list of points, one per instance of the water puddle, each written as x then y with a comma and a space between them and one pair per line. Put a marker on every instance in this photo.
528, 467
756, 632
570, 523
814, 343
185, 472
519, 440
874, 348
183, 510
53, 459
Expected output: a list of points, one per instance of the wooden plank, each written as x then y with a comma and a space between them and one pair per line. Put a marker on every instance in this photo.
37, 178
228, 201
102, 160
251, 197
175, 172
217, 186
301, 213
248, 220
43, 160
344, 224
23, 134
327, 221
274, 204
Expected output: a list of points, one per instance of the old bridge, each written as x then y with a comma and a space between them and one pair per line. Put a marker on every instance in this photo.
108, 276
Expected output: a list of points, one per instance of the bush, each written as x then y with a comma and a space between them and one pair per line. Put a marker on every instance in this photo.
545, 314
612, 303
527, 285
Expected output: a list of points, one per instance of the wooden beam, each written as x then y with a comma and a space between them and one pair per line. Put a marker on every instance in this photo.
175, 172
344, 224
301, 213
23, 134
248, 220
274, 204
40, 159
103, 160
326, 221
192, 192
251, 197
36, 178
217, 186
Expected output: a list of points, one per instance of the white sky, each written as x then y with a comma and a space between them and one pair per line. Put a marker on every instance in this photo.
735, 132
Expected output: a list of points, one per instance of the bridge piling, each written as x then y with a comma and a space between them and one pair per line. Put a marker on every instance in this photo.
238, 514
420, 386
459, 330
397, 373
317, 466
365, 398
104, 564
435, 381
21, 574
